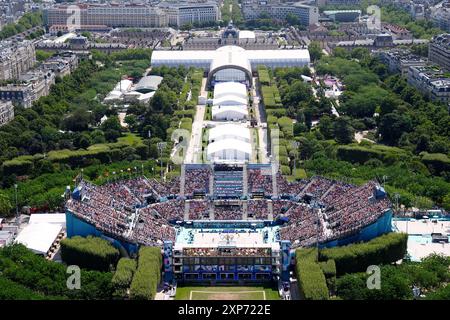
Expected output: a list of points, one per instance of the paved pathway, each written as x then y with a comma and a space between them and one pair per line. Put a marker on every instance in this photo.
194, 149
262, 132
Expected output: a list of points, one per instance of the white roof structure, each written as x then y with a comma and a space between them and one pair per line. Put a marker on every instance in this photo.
123, 86
229, 131
39, 237
53, 218
226, 88
229, 151
148, 83
119, 90
143, 98
237, 55
229, 113
134, 96
230, 100
113, 96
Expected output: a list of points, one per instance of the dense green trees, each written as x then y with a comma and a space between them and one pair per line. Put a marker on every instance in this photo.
29, 276
397, 115
90, 253
397, 281
315, 51
5, 205
27, 21
68, 118
343, 131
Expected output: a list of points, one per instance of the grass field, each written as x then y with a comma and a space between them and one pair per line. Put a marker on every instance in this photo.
226, 293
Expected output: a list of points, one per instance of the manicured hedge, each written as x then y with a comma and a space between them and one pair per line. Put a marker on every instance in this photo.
186, 124
270, 96
360, 154
437, 162
147, 275
385, 249
105, 153
311, 280
90, 253
329, 270
263, 75
123, 276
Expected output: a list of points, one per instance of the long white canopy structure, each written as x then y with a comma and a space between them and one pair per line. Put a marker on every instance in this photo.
230, 100
231, 58
226, 88
229, 131
229, 113
229, 150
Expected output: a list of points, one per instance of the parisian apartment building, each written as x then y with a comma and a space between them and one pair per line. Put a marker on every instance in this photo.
16, 58
278, 9
6, 112
439, 51
162, 14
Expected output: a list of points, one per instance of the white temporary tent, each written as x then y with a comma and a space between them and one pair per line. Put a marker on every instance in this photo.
229, 113
229, 100
41, 231
230, 88
53, 218
229, 131
229, 151
39, 237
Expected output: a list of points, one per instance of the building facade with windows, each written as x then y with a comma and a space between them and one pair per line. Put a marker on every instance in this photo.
195, 13
431, 81
253, 9
6, 112
439, 51
109, 15
16, 58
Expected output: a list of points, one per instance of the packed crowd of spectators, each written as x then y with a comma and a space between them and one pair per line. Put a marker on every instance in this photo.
152, 231
228, 213
140, 187
317, 186
347, 209
257, 209
289, 188
120, 207
169, 210
304, 224
197, 180
198, 209
280, 207
354, 208
260, 180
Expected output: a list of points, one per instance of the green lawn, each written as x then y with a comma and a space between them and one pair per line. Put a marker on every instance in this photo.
226, 293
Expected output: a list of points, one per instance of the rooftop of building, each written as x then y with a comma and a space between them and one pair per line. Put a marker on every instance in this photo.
329, 12
442, 39
404, 55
